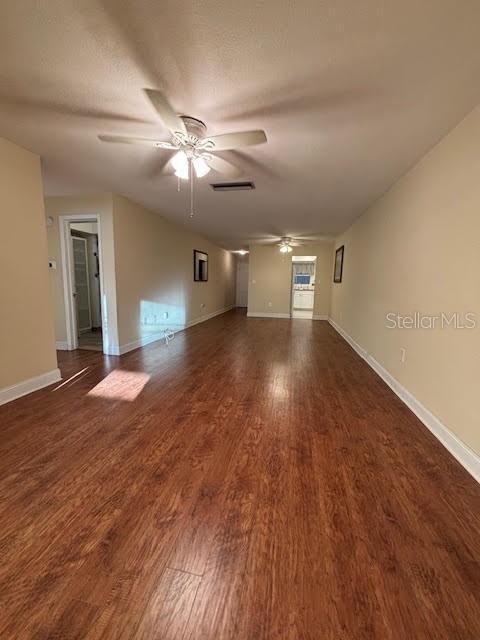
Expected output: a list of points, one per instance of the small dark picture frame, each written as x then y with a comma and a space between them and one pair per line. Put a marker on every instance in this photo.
338, 270
200, 266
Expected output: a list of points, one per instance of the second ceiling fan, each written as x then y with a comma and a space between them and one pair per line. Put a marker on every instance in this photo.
195, 151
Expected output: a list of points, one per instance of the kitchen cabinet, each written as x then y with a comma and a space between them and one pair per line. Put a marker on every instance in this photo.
303, 299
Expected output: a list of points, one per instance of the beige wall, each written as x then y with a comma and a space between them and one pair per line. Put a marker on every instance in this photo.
418, 249
147, 269
154, 267
101, 205
27, 346
270, 278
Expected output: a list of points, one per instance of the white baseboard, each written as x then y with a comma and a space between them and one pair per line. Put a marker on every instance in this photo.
319, 317
254, 314
28, 386
355, 346
61, 346
116, 350
119, 350
209, 316
459, 450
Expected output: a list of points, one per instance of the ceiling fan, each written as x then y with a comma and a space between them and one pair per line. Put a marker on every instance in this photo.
194, 150
287, 243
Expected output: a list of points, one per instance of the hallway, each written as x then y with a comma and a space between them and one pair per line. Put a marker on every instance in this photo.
254, 479
91, 340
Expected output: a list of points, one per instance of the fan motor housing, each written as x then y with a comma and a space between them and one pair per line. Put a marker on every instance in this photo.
195, 127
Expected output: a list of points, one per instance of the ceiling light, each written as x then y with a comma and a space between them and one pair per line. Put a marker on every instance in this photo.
242, 252
180, 164
201, 167
285, 248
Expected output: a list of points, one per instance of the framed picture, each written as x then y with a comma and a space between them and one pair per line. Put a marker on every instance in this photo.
338, 271
200, 266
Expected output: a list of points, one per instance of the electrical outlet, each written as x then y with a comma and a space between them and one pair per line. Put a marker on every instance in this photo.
403, 354
165, 315
269, 304
202, 306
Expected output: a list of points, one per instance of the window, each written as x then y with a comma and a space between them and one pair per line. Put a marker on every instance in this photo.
302, 279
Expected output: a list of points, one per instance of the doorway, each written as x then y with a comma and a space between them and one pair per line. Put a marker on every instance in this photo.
86, 281
303, 287
242, 281
83, 285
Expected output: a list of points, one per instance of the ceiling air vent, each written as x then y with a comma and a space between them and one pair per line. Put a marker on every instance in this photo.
232, 186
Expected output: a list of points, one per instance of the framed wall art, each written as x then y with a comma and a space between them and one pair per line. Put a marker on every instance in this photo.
338, 271
200, 266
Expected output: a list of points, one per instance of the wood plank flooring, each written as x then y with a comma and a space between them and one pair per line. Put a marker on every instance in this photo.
253, 480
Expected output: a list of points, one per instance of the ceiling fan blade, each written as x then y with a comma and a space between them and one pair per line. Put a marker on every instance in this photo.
165, 110
318, 237
222, 166
259, 239
227, 141
146, 141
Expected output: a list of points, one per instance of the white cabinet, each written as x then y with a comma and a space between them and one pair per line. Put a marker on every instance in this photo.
308, 299
303, 299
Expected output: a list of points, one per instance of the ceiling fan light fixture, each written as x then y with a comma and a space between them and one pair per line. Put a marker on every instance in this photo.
195, 154
201, 167
285, 248
180, 164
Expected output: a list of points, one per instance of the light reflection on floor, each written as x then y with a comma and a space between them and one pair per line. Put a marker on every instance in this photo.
72, 378
120, 385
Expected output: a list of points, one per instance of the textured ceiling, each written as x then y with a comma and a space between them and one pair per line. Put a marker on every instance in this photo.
351, 93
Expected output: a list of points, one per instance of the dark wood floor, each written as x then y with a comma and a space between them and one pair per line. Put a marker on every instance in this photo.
252, 480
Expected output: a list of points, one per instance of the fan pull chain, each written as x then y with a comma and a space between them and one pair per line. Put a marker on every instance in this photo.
191, 190
178, 184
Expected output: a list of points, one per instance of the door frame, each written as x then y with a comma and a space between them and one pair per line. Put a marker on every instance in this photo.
85, 243
292, 279
68, 278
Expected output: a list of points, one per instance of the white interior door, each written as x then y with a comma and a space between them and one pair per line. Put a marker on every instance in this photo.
242, 283
80, 276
